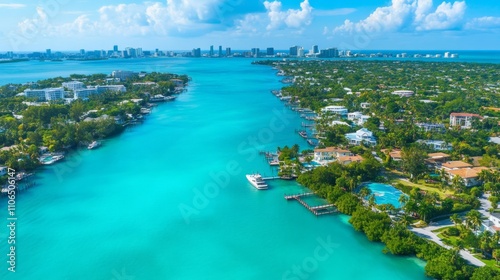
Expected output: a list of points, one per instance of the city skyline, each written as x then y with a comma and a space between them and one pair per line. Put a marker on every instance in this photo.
182, 25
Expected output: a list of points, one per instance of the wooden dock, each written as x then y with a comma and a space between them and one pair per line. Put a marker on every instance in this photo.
270, 178
316, 210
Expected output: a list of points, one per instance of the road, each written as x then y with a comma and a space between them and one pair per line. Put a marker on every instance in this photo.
428, 234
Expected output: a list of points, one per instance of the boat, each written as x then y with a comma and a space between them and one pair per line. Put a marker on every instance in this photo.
48, 159
257, 181
94, 145
303, 134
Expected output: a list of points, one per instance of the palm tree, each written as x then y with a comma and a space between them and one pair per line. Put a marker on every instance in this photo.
403, 199
371, 200
364, 192
496, 255
473, 219
455, 219
458, 184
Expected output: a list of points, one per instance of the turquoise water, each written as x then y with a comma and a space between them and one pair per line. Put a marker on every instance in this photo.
169, 199
385, 194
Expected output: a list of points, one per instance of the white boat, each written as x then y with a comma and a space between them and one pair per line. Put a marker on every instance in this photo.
94, 145
50, 158
257, 181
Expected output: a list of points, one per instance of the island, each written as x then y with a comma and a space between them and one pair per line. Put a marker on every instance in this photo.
42, 121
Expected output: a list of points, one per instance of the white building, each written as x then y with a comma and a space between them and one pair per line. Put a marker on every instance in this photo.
47, 94
437, 145
361, 136
73, 85
464, 120
365, 105
85, 93
431, 127
358, 118
338, 110
115, 88
123, 75
404, 93
329, 153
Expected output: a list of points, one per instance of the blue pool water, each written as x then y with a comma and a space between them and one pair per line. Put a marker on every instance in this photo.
385, 194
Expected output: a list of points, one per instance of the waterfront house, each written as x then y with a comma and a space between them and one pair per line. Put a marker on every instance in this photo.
470, 176
436, 145
464, 120
337, 110
349, 159
329, 153
3, 170
361, 136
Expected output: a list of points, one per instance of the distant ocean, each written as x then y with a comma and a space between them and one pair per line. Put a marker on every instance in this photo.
169, 200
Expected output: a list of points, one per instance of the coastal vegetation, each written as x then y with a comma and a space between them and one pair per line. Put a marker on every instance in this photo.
403, 126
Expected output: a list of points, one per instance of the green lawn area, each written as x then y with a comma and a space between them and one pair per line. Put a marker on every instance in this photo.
441, 229
449, 240
491, 263
396, 177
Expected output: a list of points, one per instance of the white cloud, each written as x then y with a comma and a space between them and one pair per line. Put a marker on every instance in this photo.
409, 15
334, 12
291, 18
446, 16
484, 23
12, 6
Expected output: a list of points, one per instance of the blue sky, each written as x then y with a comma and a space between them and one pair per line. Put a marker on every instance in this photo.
245, 24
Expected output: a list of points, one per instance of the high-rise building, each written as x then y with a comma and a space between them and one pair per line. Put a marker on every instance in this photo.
220, 51
329, 53
228, 51
294, 50
255, 52
115, 48
212, 50
270, 51
196, 52
49, 52
82, 52
300, 52
315, 49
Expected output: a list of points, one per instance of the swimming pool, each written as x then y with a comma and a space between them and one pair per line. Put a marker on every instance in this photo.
385, 194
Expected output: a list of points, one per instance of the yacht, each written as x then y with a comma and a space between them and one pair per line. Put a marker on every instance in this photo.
94, 145
257, 181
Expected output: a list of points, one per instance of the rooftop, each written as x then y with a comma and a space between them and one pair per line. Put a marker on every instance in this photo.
331, 150
349, 158
438, 155
456, 164
465, 115
468, 173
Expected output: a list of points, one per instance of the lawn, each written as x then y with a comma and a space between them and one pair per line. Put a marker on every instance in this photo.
449, 240
491, 263
396, 177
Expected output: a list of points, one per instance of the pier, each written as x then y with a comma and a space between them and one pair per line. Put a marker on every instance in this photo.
316, 210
